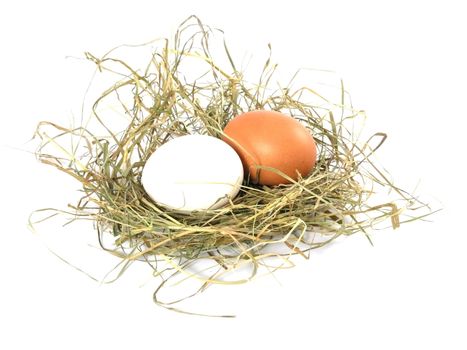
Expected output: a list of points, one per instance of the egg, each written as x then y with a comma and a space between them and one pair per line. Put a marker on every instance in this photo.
192, 173
271, 139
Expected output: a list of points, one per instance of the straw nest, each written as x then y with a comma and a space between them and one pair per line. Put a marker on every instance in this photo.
163, 100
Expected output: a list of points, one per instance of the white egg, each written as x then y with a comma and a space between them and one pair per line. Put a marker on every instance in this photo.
193, 172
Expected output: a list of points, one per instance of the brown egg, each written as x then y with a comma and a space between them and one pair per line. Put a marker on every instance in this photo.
271, 139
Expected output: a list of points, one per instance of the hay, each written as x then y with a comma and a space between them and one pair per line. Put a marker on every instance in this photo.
107, 161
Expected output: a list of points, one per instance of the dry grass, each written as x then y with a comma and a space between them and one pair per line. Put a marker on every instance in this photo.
160, 102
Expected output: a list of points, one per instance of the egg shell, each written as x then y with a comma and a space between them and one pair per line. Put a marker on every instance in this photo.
193, 172
271, 139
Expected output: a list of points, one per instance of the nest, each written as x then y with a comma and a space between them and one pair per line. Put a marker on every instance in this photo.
164, 99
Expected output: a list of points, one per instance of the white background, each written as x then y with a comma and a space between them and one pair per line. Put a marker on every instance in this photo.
403, 62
